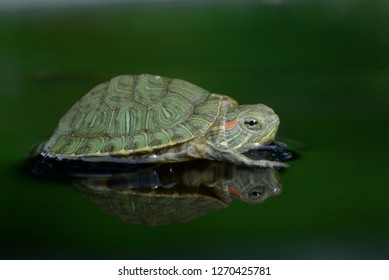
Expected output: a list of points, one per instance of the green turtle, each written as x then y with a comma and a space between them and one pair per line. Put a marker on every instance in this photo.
154, 119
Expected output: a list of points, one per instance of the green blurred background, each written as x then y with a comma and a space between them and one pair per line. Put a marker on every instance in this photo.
323, 66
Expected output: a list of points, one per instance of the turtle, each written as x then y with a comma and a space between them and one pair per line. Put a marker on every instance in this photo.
153, 119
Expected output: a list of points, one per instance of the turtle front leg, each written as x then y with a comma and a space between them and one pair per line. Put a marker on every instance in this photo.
238, 158
201, 149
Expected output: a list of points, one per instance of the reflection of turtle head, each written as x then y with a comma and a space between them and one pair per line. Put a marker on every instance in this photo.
250, 124
255, 185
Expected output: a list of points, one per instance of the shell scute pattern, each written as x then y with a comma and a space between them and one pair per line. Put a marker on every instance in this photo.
95, 123
155, 87
204, 114
136, 142
68, 144
128, 120
168, 112
160, 138
59, 143
91, 146
134, 114
118, 91
190, 92
112, 144
182, 132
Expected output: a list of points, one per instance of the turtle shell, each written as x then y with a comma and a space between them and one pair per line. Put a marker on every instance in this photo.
133, 114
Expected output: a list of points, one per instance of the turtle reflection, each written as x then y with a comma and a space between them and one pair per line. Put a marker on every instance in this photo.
173, 193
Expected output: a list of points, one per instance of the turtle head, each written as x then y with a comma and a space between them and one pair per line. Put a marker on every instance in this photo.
250, 126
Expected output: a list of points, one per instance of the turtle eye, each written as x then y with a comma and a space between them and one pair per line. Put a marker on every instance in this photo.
253, 124
256, 193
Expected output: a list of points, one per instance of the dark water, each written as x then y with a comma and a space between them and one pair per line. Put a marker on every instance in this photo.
323, 66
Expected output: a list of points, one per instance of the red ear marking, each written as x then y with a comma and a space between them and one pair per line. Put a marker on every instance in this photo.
230, 124
234, 192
